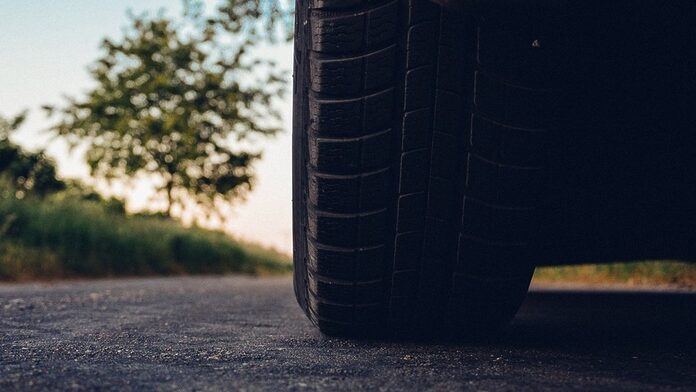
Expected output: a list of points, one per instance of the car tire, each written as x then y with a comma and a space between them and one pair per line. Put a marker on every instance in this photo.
419, 139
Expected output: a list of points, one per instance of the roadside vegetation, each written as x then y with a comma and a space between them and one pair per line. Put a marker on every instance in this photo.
640, 273
178, 101
68, 237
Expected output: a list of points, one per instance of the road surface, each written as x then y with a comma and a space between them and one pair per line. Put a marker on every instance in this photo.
212, 333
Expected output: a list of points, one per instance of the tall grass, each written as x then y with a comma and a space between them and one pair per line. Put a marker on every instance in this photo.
79, 238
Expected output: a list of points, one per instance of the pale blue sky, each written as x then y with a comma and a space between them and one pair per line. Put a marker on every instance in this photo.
45, 48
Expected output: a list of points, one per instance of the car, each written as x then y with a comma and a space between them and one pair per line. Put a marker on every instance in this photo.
441, 152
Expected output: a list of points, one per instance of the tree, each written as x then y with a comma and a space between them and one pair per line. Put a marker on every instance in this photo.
255, 20
25, 172
176, 101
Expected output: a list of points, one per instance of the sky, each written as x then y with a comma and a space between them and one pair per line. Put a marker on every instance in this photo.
46, 47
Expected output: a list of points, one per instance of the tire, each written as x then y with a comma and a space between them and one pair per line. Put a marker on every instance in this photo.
418, 156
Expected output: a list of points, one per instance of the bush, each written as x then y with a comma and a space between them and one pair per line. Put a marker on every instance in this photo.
84, 238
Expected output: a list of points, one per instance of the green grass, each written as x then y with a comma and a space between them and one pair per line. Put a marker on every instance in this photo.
635, 273
75, 238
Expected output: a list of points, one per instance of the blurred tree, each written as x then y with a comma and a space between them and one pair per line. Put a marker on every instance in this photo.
172, 100
255, 20
22, 171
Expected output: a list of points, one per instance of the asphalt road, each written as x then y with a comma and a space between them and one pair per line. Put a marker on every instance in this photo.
211, 333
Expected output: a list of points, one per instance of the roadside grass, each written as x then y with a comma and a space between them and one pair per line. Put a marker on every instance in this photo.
641, 273
76, 238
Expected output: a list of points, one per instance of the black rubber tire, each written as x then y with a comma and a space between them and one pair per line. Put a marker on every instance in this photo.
418, 139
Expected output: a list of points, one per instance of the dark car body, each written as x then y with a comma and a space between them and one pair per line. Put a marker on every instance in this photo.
622, 173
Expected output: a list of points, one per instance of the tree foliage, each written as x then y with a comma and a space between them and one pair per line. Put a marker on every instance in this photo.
255, 20
177, 100
24, 172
